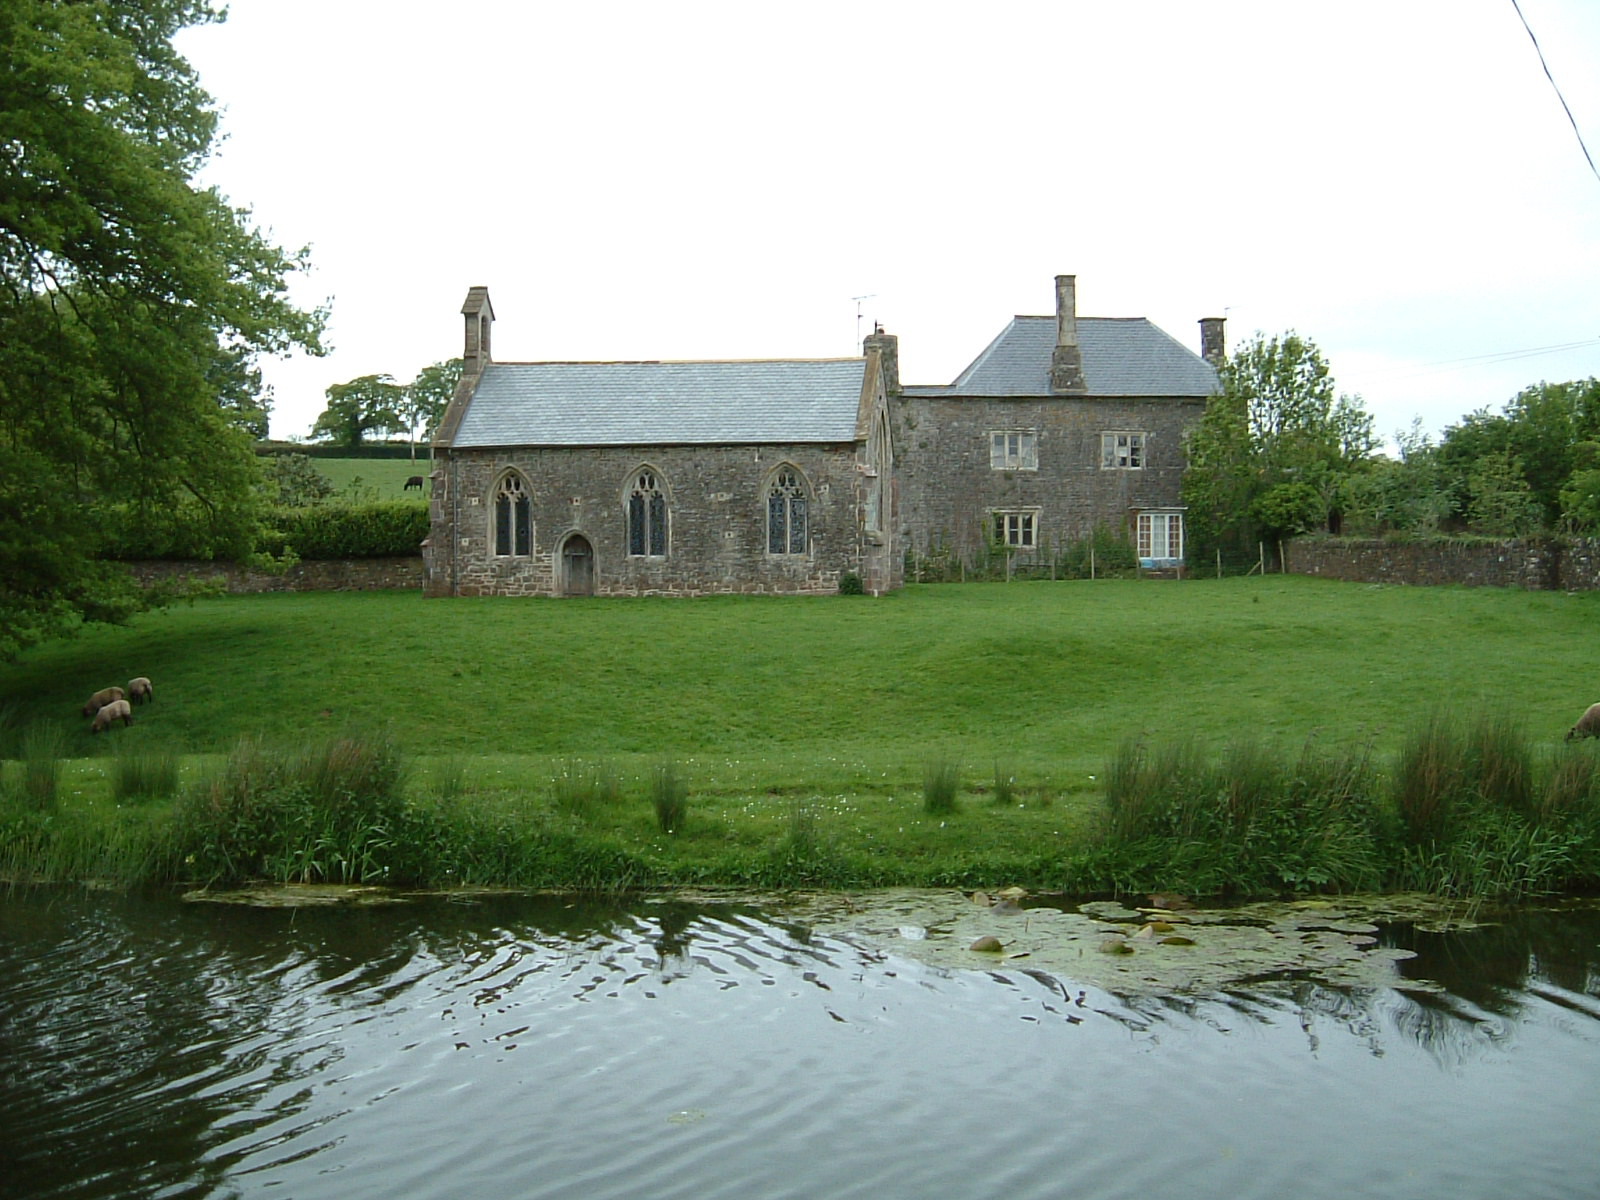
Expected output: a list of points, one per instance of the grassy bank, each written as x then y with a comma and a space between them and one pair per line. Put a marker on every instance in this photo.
944, 735
385, 478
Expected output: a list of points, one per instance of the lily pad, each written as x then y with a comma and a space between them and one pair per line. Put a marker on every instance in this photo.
299, 895
1095, 944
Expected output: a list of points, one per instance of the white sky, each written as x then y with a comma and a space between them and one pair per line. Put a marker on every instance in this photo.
1395, 179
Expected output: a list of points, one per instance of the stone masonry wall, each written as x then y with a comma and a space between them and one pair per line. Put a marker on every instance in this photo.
1556, 564
949, 487
308, 575
717, 520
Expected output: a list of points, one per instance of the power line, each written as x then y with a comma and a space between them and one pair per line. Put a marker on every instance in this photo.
1571, 119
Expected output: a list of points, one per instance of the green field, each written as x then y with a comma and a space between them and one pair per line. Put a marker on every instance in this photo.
838, 703
1050, 676
386, 477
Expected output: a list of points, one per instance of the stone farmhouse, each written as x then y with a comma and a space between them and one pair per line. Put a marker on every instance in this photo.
794, 475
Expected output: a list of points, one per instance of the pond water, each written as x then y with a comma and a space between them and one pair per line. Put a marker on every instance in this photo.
543, 1047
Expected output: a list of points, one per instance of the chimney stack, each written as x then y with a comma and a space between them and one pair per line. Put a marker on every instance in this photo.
888, 348
1213, 346
479, 314
1066, 361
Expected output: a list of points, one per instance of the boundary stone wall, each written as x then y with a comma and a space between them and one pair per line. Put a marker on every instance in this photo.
308, 575
1539, 564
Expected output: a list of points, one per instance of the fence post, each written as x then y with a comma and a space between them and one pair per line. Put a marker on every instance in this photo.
1219, 562
1261, 558
1091, 561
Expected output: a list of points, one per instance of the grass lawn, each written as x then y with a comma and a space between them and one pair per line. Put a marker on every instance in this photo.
1047, 677
837, 702
385, 476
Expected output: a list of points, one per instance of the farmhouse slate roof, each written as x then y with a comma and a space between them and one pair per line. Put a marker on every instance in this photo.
664, 403
1122, 356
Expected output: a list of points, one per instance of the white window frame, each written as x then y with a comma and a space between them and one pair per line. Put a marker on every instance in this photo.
1013, 449
1015, 528
1123, 449
1160, 529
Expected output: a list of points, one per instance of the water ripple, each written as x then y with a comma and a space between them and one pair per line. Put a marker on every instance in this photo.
543, 1049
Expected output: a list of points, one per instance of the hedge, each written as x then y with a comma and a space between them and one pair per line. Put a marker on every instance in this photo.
329, 450
385, 529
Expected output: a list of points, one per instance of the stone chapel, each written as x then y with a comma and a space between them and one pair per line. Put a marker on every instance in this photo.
797, 475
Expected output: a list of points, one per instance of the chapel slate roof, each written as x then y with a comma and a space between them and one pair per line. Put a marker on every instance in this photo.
664, 403
1122, 356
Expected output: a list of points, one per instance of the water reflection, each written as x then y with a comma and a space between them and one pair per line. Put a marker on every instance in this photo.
553, 1047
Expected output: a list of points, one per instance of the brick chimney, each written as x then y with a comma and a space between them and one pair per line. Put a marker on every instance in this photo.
1066, 361
1213, 345
479, 314
888, 348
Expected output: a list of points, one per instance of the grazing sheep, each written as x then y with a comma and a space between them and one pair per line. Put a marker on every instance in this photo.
100, 699
140, 691
117, 710
414, 482
1588, 725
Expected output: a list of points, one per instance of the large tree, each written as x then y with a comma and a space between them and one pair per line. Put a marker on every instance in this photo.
427, 396
1267, 458
132, 304
1544, 436
368, 404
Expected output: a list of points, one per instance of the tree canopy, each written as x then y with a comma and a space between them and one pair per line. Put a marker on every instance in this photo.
133, 303
369, 404
1267, 457
377, 404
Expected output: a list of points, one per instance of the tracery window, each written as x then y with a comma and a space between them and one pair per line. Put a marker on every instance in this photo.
513, 518
786, 514
647, 516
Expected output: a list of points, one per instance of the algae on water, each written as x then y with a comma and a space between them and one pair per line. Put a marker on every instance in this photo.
1126, 950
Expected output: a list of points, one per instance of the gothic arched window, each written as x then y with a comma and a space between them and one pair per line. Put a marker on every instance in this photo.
647, 516
513, 518
786, 514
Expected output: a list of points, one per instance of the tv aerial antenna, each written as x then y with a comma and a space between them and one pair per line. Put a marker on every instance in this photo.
858, 300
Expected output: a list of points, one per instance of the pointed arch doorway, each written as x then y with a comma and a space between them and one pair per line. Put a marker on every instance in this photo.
577, 566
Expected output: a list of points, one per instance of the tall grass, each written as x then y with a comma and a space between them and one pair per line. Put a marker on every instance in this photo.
1005, 782
42, 746
1257, 819
941, 784
331, 812
670, 796
144, 774
582, 787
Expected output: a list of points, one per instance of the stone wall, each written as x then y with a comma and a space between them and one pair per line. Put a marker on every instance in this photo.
716, 504
309, 575
1556, 564
949, 487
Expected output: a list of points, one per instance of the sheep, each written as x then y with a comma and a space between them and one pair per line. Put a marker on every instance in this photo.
100, 699
140, 691
414, 482
117, 710
1588, 725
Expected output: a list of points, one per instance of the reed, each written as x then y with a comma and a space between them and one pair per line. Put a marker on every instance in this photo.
583, 787
140, 774
1005, 783
1430, 777
941, 783
670, 796
41, 748
332, 812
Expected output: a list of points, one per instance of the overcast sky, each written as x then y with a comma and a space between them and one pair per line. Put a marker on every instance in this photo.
1396, 179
